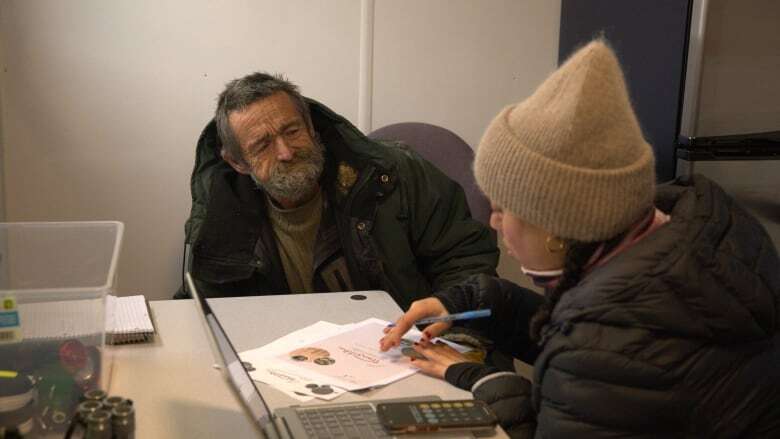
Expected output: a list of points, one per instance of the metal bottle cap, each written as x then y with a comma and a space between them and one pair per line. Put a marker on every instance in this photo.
94, 395
123, 421
113, 401
123, 411
98, 425
87, 407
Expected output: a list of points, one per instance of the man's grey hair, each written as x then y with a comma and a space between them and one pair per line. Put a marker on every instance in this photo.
243, 92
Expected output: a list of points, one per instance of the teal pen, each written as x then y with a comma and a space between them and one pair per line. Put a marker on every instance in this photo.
468, 315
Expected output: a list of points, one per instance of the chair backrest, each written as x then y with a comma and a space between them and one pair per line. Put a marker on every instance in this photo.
447, 151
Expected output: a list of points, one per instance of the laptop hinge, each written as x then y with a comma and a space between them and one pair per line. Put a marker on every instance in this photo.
277, 429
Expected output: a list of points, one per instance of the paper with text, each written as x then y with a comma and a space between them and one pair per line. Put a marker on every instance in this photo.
351, 359
295, 383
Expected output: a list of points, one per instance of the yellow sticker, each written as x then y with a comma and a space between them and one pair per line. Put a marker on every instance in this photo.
9, 303
8, 374
10, 325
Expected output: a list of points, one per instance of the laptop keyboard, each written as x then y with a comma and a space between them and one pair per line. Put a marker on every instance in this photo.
355, 421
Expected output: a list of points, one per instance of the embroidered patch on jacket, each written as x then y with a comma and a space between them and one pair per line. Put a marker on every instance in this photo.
347, 176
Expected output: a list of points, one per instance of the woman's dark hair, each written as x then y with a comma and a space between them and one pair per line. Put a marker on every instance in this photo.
578, 254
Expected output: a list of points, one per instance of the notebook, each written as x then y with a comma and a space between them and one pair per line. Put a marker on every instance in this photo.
128, 320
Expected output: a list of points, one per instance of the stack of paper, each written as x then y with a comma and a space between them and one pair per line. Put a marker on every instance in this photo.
324, 360
127, 320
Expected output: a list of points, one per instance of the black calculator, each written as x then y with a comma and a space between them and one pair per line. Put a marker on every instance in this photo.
422, 416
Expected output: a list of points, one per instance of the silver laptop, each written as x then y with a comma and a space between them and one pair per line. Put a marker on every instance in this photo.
337, 420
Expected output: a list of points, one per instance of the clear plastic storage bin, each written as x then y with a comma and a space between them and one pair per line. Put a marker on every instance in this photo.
54, 278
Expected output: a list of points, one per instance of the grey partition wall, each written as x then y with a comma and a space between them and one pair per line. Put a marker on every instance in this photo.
703, 79
650, 39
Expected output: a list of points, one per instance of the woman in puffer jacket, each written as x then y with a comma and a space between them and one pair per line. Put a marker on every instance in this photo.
662, 304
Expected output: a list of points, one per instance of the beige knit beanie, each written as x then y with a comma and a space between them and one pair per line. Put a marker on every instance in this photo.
571, 158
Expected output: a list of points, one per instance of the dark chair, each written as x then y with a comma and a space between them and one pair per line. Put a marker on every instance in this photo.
447, 151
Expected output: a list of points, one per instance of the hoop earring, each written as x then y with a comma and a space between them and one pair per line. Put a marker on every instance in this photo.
554, 245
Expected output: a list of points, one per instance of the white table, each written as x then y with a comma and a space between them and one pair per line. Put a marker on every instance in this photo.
179, 394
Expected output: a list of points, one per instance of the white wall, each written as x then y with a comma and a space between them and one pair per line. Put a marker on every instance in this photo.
455, 63
2, 143
102, 102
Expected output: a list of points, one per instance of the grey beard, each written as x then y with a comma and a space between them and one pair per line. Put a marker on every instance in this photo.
294, 181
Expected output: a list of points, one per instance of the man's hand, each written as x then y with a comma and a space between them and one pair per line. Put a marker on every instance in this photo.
420, 309
439, 356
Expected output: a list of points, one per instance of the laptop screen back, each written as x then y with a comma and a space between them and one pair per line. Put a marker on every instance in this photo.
224, 352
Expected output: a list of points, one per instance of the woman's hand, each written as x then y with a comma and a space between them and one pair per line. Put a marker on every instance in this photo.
420, 309
439, 356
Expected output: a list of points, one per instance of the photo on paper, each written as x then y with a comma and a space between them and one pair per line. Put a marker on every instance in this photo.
312, 354
352, 359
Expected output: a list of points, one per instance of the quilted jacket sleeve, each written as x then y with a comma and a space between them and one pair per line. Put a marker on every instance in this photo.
512, 307
580, 390
507, 394
449, 244
580, 393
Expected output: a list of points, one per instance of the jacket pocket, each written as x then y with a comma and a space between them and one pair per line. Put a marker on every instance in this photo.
220, 272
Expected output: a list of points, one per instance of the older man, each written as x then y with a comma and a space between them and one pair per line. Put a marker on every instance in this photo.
288, 197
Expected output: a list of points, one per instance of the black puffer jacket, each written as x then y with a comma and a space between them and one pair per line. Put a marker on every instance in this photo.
675, 337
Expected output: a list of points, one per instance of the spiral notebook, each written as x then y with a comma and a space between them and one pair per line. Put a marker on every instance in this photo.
128, 320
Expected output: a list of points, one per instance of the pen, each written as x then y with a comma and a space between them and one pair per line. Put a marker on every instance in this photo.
468, 315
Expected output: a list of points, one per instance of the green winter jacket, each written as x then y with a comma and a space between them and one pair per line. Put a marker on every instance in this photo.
391, 219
